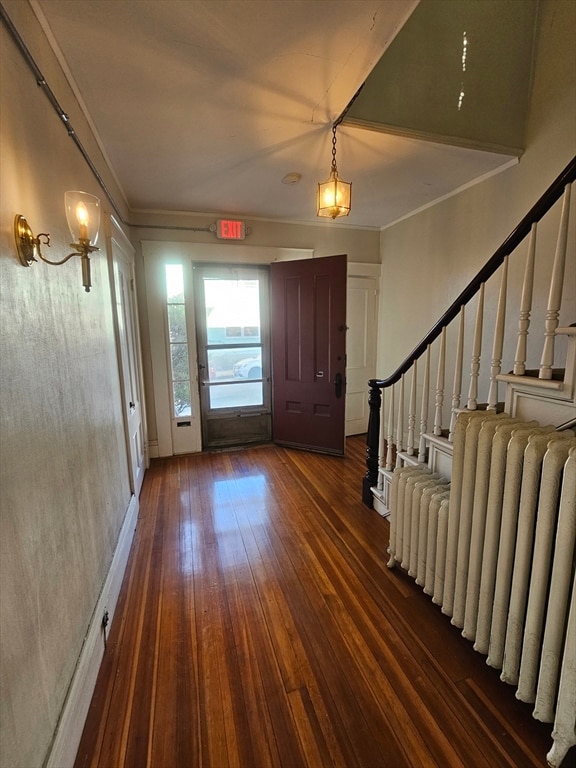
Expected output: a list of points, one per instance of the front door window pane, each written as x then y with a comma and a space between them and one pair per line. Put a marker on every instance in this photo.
236, 395
233, 349
234, 364
232, 311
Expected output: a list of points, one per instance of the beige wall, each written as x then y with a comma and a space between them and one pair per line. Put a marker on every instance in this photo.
429, 258
64, 482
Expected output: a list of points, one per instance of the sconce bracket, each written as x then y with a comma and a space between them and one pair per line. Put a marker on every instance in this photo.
26, 243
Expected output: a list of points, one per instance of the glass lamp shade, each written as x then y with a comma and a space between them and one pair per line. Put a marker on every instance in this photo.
83, 216
334, 197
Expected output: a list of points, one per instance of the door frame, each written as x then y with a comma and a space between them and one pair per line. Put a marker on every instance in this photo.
120, 247
156, 253
369, 272
234, 425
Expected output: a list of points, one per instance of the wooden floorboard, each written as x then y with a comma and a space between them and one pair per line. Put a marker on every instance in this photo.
259, 627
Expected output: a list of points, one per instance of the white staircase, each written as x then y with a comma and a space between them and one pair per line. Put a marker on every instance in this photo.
480, 487
537, 349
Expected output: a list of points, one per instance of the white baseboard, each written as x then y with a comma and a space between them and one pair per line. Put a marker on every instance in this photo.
75, 709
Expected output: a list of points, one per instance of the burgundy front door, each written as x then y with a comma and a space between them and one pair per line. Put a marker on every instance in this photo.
308, 319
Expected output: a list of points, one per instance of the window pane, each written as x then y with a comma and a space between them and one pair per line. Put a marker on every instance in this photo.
174, 283
232, 363
182, 399
177, 339
179, 357
177, 322
236, 395
249, 367
232, 311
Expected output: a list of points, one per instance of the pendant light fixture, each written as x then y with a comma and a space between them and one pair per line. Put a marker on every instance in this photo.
334, 194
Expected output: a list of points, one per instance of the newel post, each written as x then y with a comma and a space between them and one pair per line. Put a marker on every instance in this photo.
372, 441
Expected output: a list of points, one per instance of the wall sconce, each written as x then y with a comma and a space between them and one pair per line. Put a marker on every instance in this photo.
83, 217
334, 194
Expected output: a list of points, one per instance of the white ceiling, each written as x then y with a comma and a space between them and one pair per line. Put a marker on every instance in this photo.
205, 105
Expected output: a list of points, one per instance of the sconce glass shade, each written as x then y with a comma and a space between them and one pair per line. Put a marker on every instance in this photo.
83, 216
334, 196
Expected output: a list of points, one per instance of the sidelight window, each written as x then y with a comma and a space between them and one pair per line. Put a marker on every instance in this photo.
178, 342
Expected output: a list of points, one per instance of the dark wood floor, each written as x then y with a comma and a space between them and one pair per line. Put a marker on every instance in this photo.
258, 626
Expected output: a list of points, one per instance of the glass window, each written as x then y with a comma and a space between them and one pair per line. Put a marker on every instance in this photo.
233, 348
178, 341
232, 311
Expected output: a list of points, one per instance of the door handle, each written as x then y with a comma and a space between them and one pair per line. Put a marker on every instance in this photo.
338, 381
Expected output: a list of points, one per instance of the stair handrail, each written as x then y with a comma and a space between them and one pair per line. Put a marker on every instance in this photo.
538, 210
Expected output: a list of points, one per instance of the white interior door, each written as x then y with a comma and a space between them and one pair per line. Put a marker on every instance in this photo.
129, 354
361, 319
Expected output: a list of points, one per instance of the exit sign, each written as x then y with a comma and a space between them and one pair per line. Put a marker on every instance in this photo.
227, 229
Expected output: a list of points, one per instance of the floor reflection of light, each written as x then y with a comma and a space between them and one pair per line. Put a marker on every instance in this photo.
240, 500
239, 505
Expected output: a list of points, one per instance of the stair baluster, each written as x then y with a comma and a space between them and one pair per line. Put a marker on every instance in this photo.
400, 423
412, 413
424, 407
526, 306
457, 388
476, 353
440, 384
555, 296
496, 365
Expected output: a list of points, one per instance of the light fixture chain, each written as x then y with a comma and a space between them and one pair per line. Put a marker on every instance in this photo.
334, 168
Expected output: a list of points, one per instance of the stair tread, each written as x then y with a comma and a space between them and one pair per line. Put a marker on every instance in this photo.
531, 379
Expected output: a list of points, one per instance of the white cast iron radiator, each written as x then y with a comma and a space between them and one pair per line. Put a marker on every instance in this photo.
495, 548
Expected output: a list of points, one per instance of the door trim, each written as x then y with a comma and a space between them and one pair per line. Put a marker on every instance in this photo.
115, 236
